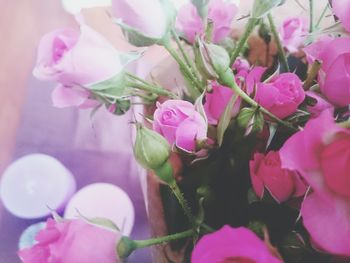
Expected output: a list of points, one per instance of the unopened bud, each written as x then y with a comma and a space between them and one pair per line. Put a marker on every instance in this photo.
212, 60
251, 120
151, 149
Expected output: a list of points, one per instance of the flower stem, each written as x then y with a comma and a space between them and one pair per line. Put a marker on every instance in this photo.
160, 240
311, 10
345, 124
275, 34
315, 68
228, 79
322, 16
185, 69
248, 30
188, 60
183, 202
145, 86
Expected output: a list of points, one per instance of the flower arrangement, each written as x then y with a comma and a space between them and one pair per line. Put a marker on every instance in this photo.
253, 156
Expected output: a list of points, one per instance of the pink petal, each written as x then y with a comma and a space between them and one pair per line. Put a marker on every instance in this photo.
328, 222
68, 97
232, 243
190, 131
342, 10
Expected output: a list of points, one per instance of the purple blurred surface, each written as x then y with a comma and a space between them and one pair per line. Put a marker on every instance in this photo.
97, 150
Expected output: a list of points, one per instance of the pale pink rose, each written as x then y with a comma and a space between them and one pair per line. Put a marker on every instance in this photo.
216, 102
321, 104
282, 95
282, 184
293, 33
341, 9
334, 76
147, 17
239, 245
321, 154
74, 57
180, 123
219, 11
72, 241
73, 97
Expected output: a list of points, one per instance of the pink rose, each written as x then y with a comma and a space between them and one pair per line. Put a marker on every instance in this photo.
293, 33
180, 123
147, 17
76, 59
282, 95
219, 11
216, 102
341, 9
334, 77
72, 241
320, 106
282, 184
229, 244
72, 58
321, 154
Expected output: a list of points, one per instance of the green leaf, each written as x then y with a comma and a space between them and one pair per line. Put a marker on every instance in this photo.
263, 7
101, 222
225, 119
200, 106
115, 87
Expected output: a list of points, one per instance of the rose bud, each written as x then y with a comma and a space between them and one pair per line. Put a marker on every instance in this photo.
180, 123
251, 120
293, 33
212, 60
266, 173
282, 95
220, 12
334, 78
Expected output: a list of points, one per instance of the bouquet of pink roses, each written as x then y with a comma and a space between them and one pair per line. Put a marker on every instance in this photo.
250, 160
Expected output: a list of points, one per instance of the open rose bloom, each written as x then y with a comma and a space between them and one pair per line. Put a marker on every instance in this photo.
246, 160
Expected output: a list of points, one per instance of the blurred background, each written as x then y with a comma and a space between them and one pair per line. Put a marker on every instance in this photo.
98, 150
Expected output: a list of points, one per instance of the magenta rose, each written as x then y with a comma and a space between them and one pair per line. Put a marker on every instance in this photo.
293, 33
239, 245
321, 154
72, 241
282, 95
266, 173
341, 9
216, 102
180, 123
334, 76
321, 104
219, 11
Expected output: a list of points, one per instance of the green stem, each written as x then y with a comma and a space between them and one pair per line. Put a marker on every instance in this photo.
248, 30
311, 10
161, 240
183, 202
276, 36
145, 86
188, 60
183, 67
229, 80
322, 15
